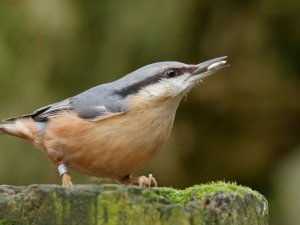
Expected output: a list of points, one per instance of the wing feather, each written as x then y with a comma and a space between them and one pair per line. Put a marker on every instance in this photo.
42, 114
92, 104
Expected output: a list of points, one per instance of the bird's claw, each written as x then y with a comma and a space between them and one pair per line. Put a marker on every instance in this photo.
147, 181
66, 180
142, 181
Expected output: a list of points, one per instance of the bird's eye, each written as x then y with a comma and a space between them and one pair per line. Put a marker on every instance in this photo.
171, 73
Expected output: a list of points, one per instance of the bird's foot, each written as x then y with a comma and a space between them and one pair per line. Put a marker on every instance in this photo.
66, 180
142, 181
65, 177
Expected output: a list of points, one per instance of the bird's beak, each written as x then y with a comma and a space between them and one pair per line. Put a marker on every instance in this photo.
209, 67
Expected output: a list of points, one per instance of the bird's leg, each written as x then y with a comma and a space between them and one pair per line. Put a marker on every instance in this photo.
142, 181
65, 177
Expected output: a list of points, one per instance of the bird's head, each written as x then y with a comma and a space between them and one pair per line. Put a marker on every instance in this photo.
165, 80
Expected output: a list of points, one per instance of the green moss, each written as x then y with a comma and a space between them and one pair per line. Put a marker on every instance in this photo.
117, 208
200, 191
58, 208
218, 203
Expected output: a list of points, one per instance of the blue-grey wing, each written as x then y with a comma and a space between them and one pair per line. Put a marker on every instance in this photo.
98, 101
42, 114
91, 104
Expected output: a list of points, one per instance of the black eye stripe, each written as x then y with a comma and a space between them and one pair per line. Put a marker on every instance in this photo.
136, 87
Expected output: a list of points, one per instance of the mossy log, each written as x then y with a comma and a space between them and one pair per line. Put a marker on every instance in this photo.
216, 203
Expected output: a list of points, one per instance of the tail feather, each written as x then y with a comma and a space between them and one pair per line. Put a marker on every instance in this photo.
10, 129
6, 128
23, 128
2, 127
18, 129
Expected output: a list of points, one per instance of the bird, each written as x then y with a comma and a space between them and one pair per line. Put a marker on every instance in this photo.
111, 130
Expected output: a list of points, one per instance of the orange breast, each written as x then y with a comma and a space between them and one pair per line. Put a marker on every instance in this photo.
111, 147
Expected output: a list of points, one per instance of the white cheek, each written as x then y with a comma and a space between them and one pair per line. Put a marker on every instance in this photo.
169, 87
157, 89
179, 84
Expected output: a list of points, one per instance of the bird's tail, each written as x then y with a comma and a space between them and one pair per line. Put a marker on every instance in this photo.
19, 128
6, 128
23, 128
2, 128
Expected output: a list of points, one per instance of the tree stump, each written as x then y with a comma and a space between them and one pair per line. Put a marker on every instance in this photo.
215, 203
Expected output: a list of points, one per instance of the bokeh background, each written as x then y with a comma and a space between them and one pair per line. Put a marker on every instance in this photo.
242, 124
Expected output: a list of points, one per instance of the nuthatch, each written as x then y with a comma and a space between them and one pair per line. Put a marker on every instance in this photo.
113, 129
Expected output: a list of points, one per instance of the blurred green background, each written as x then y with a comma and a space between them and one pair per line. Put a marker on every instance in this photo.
242, 124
